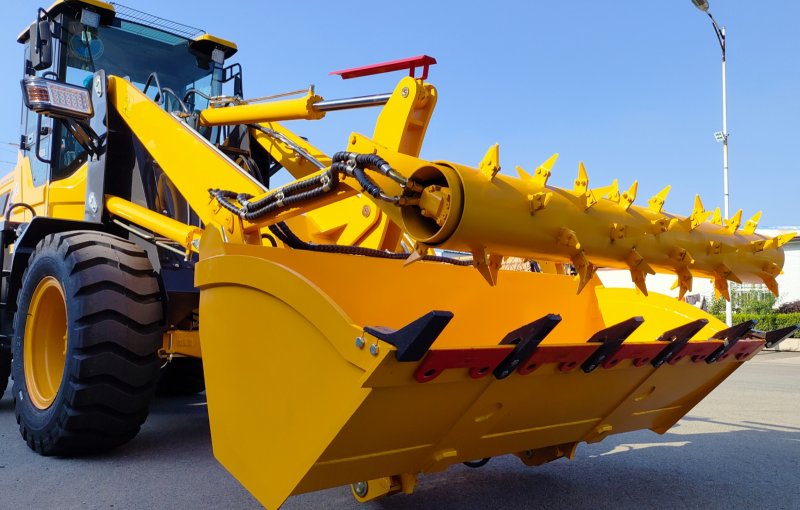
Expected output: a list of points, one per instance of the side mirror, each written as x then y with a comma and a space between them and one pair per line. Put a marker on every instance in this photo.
237, 85
41, 44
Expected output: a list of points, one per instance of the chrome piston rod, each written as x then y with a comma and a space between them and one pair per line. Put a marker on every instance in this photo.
350, 103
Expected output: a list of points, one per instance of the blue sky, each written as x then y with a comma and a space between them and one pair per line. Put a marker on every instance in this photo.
632, 88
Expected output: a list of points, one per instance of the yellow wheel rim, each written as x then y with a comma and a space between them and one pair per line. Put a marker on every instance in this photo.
45, 342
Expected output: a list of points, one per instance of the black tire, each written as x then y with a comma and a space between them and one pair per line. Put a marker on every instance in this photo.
114, 323
181, 377
5, 368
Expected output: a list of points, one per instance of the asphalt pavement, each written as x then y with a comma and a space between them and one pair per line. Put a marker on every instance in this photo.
740, 448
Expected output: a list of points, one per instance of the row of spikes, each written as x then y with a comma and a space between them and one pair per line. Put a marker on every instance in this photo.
488, 264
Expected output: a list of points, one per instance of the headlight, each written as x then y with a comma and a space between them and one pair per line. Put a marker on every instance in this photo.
56, 99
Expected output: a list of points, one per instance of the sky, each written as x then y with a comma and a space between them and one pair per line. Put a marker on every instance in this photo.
631, 88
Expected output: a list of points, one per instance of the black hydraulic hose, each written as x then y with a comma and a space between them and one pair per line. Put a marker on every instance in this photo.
371, 161
282, 232
346, 163
290, 190
369, 186
288, 196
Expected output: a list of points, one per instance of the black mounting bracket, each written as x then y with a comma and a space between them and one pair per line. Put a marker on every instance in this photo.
415, 338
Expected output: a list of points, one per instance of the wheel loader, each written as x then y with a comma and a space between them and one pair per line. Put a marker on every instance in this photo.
355, 325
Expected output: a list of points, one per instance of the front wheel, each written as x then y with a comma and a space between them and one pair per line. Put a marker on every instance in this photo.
86, 337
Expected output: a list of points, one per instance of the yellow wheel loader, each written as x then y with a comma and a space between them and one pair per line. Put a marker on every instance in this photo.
357, 321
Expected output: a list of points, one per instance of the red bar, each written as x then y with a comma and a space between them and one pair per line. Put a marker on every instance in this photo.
480, 362
567, 356
639, 353
743, 349
698, 351
411, 63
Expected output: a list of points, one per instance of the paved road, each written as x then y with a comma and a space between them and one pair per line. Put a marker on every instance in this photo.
740, 448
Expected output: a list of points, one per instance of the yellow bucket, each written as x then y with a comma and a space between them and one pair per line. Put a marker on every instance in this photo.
307, 391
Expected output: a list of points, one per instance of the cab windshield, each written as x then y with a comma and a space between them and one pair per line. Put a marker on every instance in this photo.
132, 51
136, 51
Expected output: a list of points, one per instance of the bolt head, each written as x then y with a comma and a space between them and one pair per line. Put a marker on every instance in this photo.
93, 203
360, 488
404, 92
98, 86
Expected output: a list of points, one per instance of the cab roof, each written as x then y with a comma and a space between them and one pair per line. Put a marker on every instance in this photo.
201, 40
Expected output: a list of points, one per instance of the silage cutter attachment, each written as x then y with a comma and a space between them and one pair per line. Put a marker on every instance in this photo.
356, 383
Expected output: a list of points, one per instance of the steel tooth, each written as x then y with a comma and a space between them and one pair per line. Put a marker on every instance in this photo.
683, 282
611, 192
637, 277
487, 264
628, 197
490, 164
758, 245
538, 201
414, 256
771, 283
636, 261
724, 271
638, 269
656, 203
699, 214
752, 224
525, 176
584, 268
721, 288
733, 223
567, 237
590, 199
660, 225
679, 254
716, 219
782, 239
415, 338
544, 170
582, 182
611, 339
617, 231
525, 341
777, 336
677, 338
772, 268
730, 337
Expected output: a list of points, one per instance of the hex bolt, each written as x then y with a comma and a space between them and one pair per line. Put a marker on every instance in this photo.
373, 349
404, 92
360, 342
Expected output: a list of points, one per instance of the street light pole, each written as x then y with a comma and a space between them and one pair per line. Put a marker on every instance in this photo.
720, 33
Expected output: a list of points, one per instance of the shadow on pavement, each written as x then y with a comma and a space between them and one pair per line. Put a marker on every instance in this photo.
636, 470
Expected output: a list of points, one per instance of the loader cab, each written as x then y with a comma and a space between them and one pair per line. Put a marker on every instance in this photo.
178, 66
